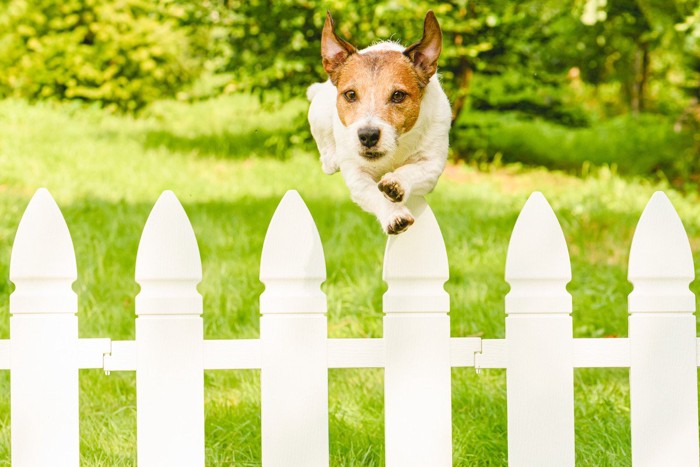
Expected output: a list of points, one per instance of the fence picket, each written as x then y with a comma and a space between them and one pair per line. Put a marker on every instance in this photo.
43, 339
539, 339
417, 375
663, 342
293, 334
169, 340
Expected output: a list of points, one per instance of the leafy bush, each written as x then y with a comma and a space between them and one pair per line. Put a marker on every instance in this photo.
642, 145
122, 54
512, 92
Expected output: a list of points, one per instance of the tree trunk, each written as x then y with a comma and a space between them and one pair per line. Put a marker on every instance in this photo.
640, 78
464, 77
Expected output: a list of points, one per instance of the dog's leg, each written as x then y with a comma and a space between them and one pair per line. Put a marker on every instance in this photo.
394, 218
323, 135
328, 162
321, 115
417, 178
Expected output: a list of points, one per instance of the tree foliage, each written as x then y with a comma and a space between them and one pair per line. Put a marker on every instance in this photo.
122, 53
503, 55
566, 61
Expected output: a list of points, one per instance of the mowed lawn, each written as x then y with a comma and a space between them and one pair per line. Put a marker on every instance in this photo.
230, 161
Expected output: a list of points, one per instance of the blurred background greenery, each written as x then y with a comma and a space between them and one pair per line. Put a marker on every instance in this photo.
557, 83
108, 102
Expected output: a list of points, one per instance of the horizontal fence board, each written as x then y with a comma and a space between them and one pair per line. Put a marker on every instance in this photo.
588, 353
122, 357
243, 354
4, 354
463, 351
91, 352
356, 353
493, 354
601, 353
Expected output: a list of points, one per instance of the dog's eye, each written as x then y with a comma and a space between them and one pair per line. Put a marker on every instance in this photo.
350, 96
398, 97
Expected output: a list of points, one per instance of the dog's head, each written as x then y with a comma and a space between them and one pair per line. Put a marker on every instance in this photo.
380, 91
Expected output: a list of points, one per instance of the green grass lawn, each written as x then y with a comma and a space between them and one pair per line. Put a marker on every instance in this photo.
107, 171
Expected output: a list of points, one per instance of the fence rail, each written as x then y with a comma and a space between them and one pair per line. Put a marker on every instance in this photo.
294, 353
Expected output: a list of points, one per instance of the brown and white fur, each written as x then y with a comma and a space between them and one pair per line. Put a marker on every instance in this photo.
383, 120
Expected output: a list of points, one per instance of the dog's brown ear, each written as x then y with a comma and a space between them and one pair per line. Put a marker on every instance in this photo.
334, 50
425, 53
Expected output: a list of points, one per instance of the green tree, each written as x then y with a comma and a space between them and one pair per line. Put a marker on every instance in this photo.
276, 45
122, 53
500, 55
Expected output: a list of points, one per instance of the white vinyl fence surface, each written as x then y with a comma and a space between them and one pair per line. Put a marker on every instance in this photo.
169, 354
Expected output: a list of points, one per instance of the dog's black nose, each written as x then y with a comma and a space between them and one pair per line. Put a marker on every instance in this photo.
368, 136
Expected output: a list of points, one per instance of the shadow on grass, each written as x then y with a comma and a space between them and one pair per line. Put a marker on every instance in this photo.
224, 145
276, 143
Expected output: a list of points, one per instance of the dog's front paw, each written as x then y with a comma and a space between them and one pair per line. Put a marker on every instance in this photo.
328, 162
392, 189
329, 167
399, 224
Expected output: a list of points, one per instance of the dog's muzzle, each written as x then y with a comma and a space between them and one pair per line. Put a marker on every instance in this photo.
369, 136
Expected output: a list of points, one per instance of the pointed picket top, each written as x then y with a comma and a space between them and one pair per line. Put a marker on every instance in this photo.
537, 263
661, 262
292, 265
415, 265
42, 265
168, 266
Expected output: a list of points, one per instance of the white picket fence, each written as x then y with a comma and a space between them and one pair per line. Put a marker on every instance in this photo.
294, 353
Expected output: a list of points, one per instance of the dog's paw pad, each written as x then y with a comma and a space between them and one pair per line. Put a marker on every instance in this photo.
399, 224
392, 189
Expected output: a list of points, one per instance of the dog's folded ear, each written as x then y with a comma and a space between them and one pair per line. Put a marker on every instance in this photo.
425, 53
334, 50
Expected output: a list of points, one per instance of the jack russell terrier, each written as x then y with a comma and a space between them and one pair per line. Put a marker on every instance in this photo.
383, 120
